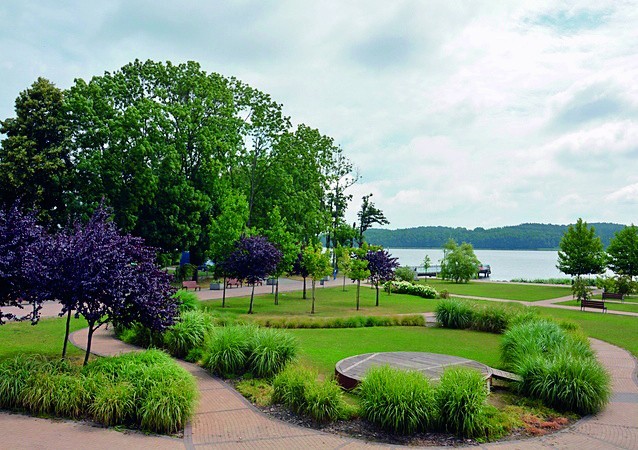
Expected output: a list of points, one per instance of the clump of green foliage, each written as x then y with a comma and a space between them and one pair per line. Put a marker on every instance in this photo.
343, 322
461, 314
397, 400
188, 332
461, 397
557, 366
234, 350
147, 390
410, 288
452, 313
404, 273
298, 389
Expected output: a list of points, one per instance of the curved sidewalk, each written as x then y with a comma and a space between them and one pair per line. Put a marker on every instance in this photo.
224, 419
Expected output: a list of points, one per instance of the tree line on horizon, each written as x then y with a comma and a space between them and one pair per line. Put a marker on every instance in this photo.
528, 236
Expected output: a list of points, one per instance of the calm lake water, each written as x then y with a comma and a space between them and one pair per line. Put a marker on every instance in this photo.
505, 264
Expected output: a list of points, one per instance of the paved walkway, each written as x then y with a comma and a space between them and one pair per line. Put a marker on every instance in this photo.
224, 419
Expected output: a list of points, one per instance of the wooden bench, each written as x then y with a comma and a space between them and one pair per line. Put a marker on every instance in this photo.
190, 284
232, 282
613, 296
599, 304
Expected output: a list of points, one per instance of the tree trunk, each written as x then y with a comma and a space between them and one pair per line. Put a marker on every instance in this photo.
224, 293
313, 297
66, 333
358, 288
88, 344
277, 291
377, 286
344, 283
252, 296
304, 288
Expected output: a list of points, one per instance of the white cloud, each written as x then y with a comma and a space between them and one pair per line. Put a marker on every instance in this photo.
465, 114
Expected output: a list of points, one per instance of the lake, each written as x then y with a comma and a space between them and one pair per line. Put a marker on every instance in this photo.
505, 264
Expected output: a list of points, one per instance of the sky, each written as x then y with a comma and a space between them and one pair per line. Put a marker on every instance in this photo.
469, 114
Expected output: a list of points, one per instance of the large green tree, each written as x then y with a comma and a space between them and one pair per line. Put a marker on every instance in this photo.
459, 263
623, 252
34, 165
317, 262
581, 251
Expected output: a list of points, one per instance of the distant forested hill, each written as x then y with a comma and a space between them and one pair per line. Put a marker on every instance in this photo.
527, 236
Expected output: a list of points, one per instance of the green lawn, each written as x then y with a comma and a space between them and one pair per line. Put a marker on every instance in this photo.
628, 298
507, 291
323, 348
618, 330
628, 306
44, 338
330, 302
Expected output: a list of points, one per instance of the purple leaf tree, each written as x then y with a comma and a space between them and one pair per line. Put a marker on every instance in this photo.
23, 245
381, 266
105, 276
253, 259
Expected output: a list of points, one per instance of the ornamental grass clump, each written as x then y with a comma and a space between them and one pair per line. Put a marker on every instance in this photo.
398, 401
113, 403
187, 333
451, 313
556, 366
491, 319
566, 382
270, 351
297, 388
14, 374
227, 351
461, 398
188, 301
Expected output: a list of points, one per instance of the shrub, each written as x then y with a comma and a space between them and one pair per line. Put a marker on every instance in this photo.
167, 407
228, 350
270, 351
406, 287
188, 300
71, 395
565, 382
140, 336
415, 320
461, 397
404, 274
14, 374
452, 313
187, 333
398, 401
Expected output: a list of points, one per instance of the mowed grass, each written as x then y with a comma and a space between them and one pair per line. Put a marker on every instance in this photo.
323, 348
615, 329
507, 291
46, 338
613, 306
330, 302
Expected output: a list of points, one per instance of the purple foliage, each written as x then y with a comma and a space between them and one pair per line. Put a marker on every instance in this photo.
106, 276
381, 265
253, 259
23, 246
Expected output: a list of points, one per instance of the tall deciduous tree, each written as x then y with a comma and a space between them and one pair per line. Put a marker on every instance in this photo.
381, 266
623, 252
459, 263
317, 262
581, 251
253, 259
105, 276
369, 215
23, 246
34, 165
344, 261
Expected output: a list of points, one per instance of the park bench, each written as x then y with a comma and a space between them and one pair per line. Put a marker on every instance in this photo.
232, 282
599, 304
613, 296
190, 284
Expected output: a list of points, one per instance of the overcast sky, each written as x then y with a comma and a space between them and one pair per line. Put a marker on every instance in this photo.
476, 113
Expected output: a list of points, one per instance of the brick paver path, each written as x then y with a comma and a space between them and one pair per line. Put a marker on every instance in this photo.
224, 419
